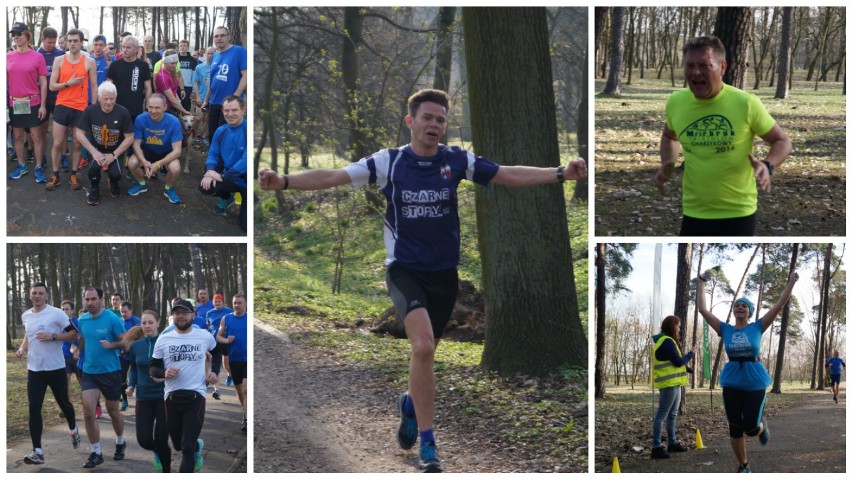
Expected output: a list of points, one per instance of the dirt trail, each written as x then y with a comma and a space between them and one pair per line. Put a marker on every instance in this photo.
314, 413
808, 436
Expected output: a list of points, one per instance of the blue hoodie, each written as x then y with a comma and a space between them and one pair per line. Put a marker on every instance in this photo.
228, 153
140, 360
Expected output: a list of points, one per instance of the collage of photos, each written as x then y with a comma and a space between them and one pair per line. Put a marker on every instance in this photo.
644, 271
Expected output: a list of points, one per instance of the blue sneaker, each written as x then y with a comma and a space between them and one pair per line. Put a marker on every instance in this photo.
229, 381
222, 205
199, 461
158, 465
428, 460
39, 175
137, 189
11, 155
406, 433
20, 171
66, 167
764, 435
124, 405
172, 195
742, 468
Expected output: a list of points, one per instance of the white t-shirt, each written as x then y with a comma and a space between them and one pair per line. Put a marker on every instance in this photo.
187, 352
45, 355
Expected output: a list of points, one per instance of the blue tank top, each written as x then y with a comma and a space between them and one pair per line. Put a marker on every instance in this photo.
743, 343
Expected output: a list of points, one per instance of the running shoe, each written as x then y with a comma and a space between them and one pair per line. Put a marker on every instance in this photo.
172, 195
20, 171
30, 156
244, 427
229, 382
11, 155
742, 468
199, 461
115, 192
74, 181
119, 452
222, 205
53, 183
764, 435
66, 167
75, 438
93, 461
835, 400
137, 189
428, 460
158, 465
93, 199
83, 163
98, 412
39, 175
217, 395
34, 458
659, 453
406, 433
44, 161
677, 447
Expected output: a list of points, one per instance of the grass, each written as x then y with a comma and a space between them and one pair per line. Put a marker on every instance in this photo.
294, 268
17, 405
808, 191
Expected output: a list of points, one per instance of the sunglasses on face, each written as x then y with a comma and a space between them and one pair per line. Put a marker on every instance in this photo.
17, 34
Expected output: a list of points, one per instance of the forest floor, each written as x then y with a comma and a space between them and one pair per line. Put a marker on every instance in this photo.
808, 194
808, 434
33, 211
330, 413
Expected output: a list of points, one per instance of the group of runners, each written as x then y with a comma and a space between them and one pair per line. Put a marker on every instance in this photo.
135, 110
169, 372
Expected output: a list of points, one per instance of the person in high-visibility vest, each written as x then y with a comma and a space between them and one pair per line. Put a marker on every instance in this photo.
744, 379
669, 375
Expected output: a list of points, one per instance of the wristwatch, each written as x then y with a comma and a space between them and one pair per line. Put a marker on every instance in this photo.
769, 166
560, 173
54, 336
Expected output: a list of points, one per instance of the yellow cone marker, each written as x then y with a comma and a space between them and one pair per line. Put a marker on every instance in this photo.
699, 444
615, 468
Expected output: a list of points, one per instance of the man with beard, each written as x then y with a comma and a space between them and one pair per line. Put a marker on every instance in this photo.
101, 331
182, 358
233, 331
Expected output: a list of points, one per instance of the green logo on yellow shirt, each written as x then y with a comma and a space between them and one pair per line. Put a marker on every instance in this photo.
712, 130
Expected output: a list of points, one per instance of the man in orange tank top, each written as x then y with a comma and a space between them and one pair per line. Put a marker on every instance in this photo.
74, 76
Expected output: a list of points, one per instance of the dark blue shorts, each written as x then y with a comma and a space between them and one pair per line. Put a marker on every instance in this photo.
108, 383
835, 379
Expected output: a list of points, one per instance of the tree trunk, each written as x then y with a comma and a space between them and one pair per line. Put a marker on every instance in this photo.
682, 287
613, 83
782, 89
581, 187
444, 54
734, 26
197, 272
782, 340
600, 318
695, 318
518, 268
820, 356
353, 24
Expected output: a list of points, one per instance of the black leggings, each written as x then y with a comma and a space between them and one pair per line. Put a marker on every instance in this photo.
185, 420
113, 171
37, 384
224, 189
215, 118
744, 410
216, 362
125, 367
152, 432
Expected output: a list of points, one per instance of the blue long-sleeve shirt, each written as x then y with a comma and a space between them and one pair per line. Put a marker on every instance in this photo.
668, 352
140, 361
228, 153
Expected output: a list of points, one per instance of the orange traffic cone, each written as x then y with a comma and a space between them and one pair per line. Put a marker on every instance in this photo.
699, 444
615, 467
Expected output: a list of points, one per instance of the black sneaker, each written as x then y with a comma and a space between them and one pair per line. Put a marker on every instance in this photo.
428, 460
119, 452
406, 432
835, 400
659, 453
244, 428
676, 447
94, 460
34, 458
93, 198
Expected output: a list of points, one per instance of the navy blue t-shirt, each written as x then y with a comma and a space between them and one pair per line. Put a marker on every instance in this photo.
422, 222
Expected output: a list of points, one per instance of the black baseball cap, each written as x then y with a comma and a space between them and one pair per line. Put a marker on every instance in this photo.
183, 304
19, 27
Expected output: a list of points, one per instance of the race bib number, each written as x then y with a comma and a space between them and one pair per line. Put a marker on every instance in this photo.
21, 107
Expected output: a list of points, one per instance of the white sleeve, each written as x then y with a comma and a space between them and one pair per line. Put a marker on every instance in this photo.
372, 169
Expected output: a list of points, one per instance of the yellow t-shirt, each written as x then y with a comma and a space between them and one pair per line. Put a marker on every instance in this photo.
716, 136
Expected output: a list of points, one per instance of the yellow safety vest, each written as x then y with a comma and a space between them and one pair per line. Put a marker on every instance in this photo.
666, 374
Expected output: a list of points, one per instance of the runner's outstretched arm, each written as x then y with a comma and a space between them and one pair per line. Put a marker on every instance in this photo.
308, 180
